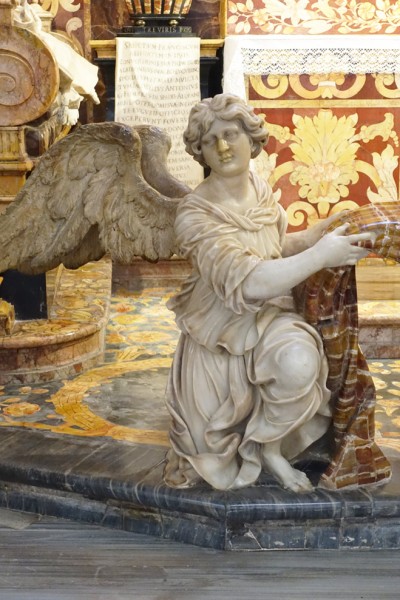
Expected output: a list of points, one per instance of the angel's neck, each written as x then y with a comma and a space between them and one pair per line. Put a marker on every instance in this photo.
236, 192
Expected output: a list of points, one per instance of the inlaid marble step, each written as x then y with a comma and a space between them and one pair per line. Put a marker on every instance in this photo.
119, 485
71, 339
379, 326
142, 274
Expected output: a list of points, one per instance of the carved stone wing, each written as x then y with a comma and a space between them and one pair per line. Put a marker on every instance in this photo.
88, 197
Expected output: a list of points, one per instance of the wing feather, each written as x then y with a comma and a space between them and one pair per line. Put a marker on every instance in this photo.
140, 221
156, 145
88, 196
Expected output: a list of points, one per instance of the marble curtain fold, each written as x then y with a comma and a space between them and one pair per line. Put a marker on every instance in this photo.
328, 301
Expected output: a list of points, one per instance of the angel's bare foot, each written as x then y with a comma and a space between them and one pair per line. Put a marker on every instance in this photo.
288, 477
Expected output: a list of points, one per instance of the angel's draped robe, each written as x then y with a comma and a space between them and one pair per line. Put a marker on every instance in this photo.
219, 391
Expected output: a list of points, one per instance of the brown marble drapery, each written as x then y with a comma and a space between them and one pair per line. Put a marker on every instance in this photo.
328, 301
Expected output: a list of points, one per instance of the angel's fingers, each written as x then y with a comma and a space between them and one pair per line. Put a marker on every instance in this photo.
361, 237
365, 253
356, 255
334, 217
341, 230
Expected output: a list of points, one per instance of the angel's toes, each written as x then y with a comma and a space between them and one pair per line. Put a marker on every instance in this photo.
298, 481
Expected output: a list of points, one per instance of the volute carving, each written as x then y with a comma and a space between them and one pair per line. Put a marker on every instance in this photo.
29, 76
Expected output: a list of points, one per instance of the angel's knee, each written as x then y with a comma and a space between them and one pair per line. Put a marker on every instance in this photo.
297, 368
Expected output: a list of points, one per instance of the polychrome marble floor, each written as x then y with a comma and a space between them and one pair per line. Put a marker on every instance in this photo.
91, 448
140, 341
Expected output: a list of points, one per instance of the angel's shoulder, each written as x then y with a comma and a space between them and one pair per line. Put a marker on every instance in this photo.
193, 214
194, 202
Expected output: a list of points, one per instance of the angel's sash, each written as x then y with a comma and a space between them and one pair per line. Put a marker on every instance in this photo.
328, 301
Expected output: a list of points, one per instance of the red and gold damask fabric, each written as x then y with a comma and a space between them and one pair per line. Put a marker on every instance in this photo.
306, 17
328, 301
333, 141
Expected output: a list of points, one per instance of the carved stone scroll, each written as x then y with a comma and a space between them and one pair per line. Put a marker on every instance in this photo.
29, 77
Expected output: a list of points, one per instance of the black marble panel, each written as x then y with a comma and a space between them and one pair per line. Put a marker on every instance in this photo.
27, 293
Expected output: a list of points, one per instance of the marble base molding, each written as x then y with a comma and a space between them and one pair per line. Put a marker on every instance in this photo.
120, 486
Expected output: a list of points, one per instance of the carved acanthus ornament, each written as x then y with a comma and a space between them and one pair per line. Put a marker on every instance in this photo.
325, 162
317, 85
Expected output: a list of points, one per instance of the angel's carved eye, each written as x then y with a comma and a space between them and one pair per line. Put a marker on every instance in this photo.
231, 135
207, 141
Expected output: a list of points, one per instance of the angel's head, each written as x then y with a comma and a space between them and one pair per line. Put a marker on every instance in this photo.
226, 107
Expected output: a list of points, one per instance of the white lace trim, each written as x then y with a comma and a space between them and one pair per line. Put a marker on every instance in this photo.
257, 55
325, 60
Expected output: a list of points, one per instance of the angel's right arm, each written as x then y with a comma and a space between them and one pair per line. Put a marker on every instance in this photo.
276, 277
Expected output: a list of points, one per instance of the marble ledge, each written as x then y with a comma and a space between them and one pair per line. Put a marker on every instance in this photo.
379, 334
106, 49
220, 533
382, 312
45, 337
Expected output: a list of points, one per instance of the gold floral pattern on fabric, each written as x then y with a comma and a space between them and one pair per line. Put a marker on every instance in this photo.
333, 141
313, 18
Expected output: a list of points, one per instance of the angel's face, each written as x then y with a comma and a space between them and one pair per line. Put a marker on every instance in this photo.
226, 148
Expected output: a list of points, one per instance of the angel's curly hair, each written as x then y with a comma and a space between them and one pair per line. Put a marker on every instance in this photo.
229, 108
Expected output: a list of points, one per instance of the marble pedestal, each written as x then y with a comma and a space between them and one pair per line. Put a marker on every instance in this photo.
117, 485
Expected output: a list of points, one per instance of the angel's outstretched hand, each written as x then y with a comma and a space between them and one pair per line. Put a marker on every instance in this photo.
315, 232
336, 249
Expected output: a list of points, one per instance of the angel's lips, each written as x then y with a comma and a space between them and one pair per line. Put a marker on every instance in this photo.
226, 158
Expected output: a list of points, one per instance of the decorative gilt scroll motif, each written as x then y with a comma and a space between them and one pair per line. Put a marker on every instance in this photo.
70, 17
388, 85
331, 85
313, 18
329, 148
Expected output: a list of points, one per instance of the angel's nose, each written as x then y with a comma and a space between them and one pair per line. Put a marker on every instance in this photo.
222, 145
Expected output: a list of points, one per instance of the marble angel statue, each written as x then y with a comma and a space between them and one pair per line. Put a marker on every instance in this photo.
247, 389
254, 379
